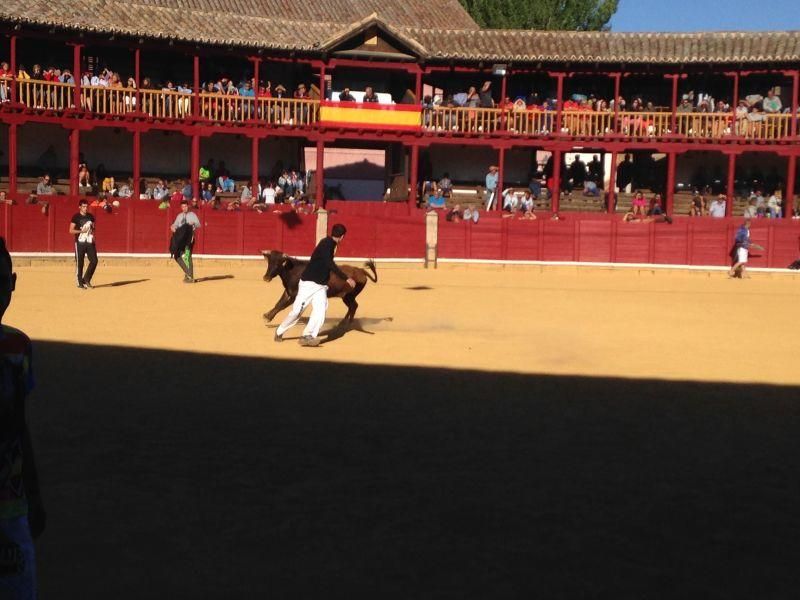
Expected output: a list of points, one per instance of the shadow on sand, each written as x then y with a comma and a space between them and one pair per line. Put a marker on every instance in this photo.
212, 278
120, 283
184, 475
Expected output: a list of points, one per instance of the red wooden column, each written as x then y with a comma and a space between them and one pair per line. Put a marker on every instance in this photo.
195, 175
254, 165
137, 58
501, 165
795, 94
555, 195
413, 176
13, 65
76, 74
74, 154
322, 82
673, 120
418, 86
137, 163
256, 78
196, 90
12, 159
734, 100
617, 91
731, 189
503, 107
612, 184
559, 102
320, 175
670, 197
791, 175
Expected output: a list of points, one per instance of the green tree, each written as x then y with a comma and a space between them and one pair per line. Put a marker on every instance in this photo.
580, 15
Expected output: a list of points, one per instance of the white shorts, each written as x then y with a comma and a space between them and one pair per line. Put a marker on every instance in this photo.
741, 255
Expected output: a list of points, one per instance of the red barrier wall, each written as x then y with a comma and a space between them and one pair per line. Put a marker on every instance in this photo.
392, 230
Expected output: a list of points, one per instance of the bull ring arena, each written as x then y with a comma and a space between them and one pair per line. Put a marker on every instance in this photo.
567, 398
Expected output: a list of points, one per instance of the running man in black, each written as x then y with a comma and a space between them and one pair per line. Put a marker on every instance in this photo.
82, 227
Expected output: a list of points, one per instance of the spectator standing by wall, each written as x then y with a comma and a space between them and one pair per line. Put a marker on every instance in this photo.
182, 243
490, 191
82, 227
717, 207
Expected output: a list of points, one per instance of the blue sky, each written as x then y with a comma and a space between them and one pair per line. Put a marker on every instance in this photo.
706, 15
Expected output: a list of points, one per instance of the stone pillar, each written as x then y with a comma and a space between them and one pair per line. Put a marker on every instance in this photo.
431, 238
322, 224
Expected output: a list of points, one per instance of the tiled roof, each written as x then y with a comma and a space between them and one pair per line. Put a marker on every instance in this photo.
448, 32
585, 46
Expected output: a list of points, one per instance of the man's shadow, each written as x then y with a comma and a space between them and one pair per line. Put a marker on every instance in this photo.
120, 283
343, 327
212, 278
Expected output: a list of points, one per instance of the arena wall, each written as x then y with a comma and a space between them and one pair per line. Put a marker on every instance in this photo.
390, 230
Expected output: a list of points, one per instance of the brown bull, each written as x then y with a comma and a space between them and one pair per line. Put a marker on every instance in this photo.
289, 270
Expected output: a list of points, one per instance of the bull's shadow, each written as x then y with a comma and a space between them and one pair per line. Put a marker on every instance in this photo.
337, 329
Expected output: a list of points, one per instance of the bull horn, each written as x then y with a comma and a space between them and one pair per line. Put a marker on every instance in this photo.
265, 252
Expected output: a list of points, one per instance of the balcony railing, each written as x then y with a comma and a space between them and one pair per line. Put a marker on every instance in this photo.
220, 108
462, 120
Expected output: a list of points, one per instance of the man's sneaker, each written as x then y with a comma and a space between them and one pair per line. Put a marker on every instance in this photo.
87, 285
307, 340
82, 285
278, 338
188, 279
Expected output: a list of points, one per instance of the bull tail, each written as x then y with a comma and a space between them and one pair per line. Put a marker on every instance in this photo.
370, 264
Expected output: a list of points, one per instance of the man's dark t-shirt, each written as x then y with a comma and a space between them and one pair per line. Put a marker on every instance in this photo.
80, 220
321, 264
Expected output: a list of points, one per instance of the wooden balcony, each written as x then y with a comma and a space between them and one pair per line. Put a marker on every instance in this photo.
482, 122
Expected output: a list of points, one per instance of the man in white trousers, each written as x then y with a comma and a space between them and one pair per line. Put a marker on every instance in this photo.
313, 289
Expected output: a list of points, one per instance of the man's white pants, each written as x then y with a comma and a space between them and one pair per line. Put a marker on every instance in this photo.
312, 293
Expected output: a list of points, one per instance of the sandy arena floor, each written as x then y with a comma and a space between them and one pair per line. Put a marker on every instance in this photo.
627, 323
184, 454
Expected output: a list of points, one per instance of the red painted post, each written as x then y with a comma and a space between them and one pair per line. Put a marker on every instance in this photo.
791, 175
413, 176
673, 122
137, 163
501, 165
254, 166
76, 74
670, 199
74, 154
612, 185
418, 86
195, 175
559, 102
12, 159
136, 78
734, 102
731, 188
256, 78
320, 175
196, 89
617, 91
322, 83
795, 94
555, 193
13, 58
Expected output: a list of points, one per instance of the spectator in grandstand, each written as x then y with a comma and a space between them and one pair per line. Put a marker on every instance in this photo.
510, 201
247, 91
446, 185
454, 215
346, 96
145, 190
187, 190
471, 100
225, 184
246, 197
84, 179
639, 204
22, 72
590, 189
772, 103
301, 93
527, 206
4, 199
471, 214
717, 207
535, 185
750, 211
5, 76
160, 191
208, 195
485, 95
656, 206
108, 187
126, 189
45, 187
177, 194
774, 203
206, 173
697, 207
761, 203
596, 170
436, 201
490, 190
369, 95
685, 106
